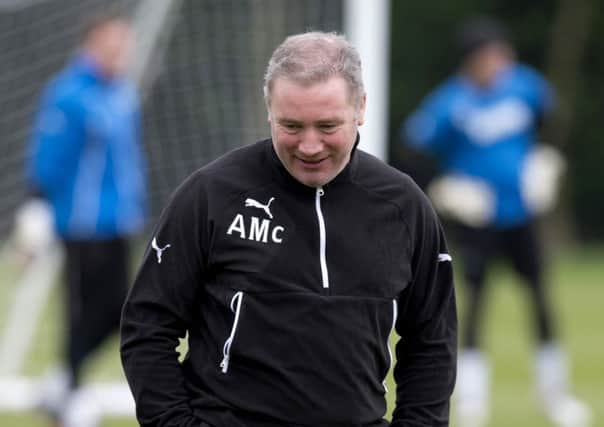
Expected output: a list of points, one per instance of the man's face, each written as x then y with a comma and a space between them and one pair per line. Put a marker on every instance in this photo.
486, 63
110, 45
314, 127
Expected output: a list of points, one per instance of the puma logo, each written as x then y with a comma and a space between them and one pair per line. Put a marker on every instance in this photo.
158, 250
444, 258
251, 203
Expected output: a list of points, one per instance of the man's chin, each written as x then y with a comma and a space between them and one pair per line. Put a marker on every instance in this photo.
313, 180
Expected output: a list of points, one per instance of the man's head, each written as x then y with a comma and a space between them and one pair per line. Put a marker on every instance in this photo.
107, 41
315, 99
484, 48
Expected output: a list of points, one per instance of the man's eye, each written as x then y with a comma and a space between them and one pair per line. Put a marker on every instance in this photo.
327, 127
291, 127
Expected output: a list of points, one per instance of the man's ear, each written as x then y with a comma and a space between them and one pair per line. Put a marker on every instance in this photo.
361, 113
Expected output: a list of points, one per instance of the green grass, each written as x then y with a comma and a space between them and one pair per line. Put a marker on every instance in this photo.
577, 290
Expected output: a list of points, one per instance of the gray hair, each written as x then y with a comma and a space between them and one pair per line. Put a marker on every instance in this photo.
315, 57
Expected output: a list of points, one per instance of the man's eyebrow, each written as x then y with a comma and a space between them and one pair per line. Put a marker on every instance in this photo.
330, 120
287, 120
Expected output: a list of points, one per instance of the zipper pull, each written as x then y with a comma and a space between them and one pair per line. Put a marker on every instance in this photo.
320, 191
224, 365
226, 350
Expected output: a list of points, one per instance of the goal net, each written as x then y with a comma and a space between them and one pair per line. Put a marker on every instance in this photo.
200, 68
202, 81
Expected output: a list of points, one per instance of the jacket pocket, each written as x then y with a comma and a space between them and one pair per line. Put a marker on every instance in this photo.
324, 357
236, 303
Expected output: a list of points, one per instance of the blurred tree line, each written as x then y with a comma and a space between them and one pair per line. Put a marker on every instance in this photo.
564, 39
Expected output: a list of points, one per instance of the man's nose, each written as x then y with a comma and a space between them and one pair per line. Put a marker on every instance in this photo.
311, 144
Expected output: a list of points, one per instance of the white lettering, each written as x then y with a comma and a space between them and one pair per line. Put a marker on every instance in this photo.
259, 231
237, 225
274, 236
491, 124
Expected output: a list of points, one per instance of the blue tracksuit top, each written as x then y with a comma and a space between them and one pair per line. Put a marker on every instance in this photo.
84, 154
485, 133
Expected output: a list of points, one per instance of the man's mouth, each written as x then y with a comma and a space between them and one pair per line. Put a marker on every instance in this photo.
311, 162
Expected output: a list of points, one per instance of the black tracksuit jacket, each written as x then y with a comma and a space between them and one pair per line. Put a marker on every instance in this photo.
289, 294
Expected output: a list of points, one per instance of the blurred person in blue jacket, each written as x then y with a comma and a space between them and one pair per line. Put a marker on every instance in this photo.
482, 125
86, 163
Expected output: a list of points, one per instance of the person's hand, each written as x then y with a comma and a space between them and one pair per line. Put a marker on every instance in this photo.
33, 231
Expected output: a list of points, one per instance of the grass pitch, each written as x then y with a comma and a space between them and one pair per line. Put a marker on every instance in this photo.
577, 284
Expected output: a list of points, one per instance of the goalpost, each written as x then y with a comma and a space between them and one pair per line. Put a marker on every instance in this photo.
367, 25
199, 65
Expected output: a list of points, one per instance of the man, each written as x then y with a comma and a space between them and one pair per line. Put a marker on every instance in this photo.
288, 263
86, 163
481, 124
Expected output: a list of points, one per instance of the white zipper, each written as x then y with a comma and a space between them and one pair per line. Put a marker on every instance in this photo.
394, 317
226, 349
322, 238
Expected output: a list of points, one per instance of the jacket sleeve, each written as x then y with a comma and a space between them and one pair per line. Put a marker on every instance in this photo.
55, 143
429, 127
160, 309
427, 350
539, 94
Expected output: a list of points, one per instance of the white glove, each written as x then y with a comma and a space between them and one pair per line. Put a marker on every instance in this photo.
540, 180
34, 227
465, 199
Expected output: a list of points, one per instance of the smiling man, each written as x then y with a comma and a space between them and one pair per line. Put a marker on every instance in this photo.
314, 127
289, 262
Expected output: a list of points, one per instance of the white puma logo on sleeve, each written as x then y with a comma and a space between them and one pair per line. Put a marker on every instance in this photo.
444, 257
158, 250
